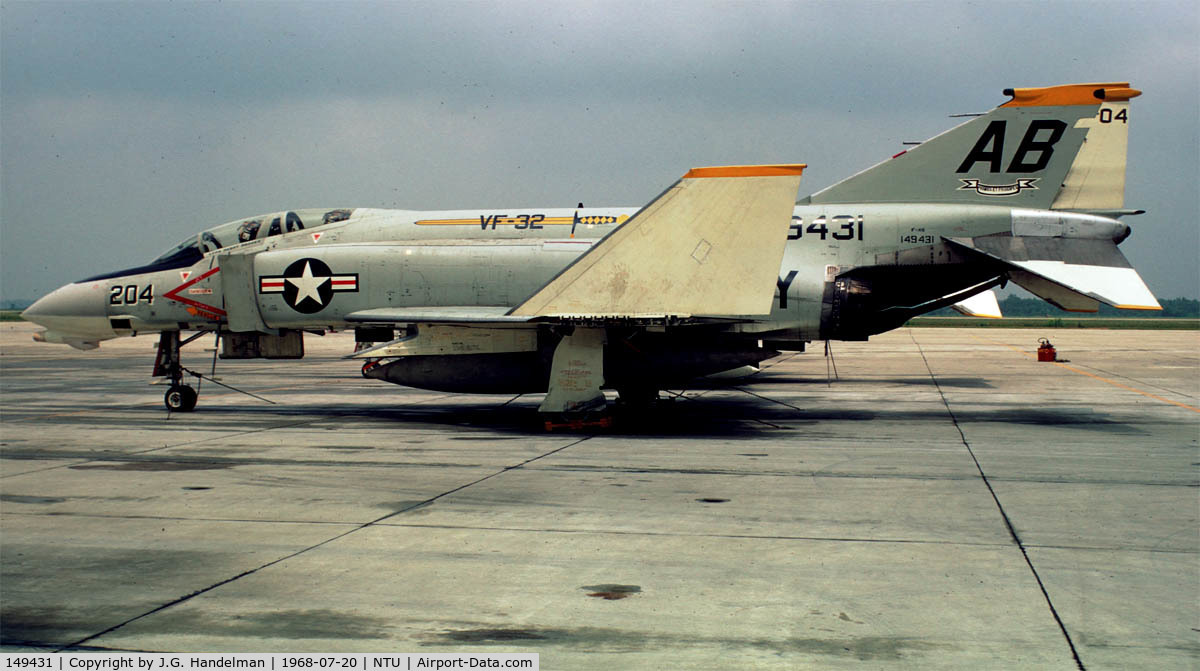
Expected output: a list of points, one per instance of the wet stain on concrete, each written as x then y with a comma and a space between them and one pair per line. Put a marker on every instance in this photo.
18, 498
610, 592
925, 381
195, 489
152, 466
867, 648
915, 380
711, 500
40, 626
1075, 418
498, 635
405, 506
288, 624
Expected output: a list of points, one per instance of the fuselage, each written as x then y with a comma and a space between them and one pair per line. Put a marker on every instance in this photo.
309, 269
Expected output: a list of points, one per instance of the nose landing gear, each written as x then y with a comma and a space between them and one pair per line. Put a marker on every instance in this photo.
179, 397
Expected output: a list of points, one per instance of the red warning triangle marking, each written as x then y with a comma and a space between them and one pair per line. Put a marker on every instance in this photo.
184, 274
317, 236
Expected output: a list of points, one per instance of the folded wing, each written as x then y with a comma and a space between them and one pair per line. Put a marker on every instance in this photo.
710, 245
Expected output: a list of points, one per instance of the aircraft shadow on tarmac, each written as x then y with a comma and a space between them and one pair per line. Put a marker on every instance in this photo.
925, 381
745, 415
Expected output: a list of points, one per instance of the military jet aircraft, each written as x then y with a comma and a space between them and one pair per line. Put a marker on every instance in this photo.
720, 272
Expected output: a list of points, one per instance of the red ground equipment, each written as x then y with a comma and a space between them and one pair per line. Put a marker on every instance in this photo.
1046, 351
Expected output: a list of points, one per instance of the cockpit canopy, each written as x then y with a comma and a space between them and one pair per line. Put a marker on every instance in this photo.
195, 247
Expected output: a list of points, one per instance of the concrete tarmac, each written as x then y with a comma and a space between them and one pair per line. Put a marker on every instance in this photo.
946, 503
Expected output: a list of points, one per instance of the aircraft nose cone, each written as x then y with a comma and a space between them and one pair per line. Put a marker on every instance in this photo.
77, 309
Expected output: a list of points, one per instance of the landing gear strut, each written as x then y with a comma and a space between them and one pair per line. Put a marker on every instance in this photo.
179, 397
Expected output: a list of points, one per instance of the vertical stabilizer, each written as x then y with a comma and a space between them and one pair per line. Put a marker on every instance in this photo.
1060, 146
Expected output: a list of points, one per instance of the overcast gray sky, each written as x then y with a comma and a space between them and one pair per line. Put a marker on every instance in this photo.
126, 126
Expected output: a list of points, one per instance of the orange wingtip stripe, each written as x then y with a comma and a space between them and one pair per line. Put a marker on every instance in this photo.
1070, 94
1151, 308
746, 171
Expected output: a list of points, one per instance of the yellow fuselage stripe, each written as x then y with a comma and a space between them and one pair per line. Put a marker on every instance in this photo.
514, 221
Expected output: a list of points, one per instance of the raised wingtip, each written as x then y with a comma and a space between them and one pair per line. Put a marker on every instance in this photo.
781, 170
1070, 94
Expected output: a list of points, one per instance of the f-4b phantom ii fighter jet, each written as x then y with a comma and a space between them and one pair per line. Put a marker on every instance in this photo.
721, 271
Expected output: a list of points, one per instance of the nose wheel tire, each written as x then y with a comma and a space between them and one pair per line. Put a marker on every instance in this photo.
180, 398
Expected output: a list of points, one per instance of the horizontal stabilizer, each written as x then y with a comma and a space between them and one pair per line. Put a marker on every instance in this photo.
1062, 297
1073, 274
980, 305
1118, 287
710, 245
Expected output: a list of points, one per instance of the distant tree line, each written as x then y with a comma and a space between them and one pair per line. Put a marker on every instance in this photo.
1015, 306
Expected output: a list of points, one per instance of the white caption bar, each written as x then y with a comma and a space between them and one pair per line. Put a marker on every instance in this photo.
108, 661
